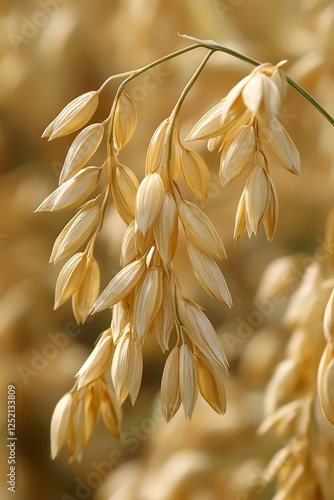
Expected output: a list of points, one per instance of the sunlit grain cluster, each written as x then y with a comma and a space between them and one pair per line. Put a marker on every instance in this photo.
145, 296
157, 178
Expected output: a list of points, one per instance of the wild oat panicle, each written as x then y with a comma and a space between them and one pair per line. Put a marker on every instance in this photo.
145, 296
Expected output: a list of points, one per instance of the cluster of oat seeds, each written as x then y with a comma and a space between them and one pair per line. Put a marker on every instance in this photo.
245, 127
145, 295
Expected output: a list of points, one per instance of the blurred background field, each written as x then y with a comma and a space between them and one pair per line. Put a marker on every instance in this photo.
54, 50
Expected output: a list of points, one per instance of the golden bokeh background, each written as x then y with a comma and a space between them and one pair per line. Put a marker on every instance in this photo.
54, 50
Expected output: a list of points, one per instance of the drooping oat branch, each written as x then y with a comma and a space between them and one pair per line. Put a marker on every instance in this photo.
145, 296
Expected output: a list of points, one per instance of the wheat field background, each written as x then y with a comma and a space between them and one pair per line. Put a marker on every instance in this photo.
54, 50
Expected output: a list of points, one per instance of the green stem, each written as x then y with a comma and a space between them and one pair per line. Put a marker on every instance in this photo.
311, 99
209, 44
139, 71
189, 85
133, 74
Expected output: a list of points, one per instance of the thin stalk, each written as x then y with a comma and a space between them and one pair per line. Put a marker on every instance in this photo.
179, 103
159, 61
133, 74
311, 99
189, 85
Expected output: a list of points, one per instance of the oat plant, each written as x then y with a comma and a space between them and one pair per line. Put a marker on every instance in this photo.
145, 297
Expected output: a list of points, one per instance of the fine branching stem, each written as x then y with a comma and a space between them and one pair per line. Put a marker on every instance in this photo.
311, 99
190, 84
209, 44
214, 47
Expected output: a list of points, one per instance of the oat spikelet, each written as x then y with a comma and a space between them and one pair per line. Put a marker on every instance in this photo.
156, 151
110, 410
92, 411
125, 121
271, 215
196, 174
299, 401
77, 435
253, 203
81, 150
76, 232
163, 322
124, 189
170, 385
280, 144
236, 155
97, 362
201, 331
60, 424
74, 116
147, 301
86, 294
72, 192
70, 278
148, 201
128, 250
200, 230
127, 368
211, 382
120, 286
166, 229
188, 380
208, 274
